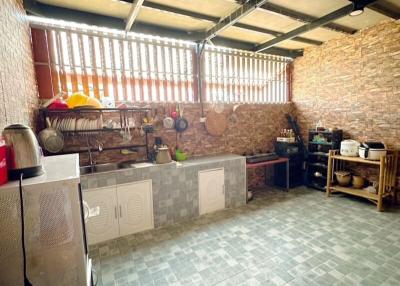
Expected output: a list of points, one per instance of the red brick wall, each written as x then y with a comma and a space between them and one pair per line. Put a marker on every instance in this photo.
352, 83
18, 92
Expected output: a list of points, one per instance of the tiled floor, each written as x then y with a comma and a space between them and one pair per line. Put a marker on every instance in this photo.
295, 238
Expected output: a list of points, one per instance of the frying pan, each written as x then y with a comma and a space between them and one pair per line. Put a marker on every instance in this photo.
181, 124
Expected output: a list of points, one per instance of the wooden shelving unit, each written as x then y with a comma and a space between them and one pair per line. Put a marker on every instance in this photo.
387, 176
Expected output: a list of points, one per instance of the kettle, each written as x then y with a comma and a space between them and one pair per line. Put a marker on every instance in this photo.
24, 155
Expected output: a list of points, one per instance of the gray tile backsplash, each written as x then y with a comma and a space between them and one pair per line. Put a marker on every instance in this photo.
175, 186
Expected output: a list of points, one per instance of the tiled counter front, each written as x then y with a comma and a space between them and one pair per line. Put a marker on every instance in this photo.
175, 187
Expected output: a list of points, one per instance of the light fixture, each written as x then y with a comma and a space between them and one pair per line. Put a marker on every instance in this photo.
358, 8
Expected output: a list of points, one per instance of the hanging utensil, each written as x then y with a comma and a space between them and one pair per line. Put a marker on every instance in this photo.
233, 118
142, 132
157, 123
129, 136
120, 122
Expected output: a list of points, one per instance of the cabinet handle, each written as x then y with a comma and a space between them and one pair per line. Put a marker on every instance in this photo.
115, 212
120, 211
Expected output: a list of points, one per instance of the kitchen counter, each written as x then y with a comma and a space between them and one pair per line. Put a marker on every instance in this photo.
209, 159
175, 184
56, 168
182, 164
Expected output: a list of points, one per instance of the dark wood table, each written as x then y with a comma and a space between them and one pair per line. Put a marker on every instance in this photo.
265, 164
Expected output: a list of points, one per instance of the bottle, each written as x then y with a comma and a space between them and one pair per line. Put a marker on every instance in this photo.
319, 126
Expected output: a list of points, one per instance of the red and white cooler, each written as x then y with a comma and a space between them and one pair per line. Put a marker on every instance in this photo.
3, 162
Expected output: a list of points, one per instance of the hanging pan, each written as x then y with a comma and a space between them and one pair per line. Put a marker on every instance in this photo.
181, 124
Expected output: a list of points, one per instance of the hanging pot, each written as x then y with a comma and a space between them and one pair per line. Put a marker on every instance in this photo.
168, 122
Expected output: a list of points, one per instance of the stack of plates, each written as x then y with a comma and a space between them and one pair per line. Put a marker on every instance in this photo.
74, 124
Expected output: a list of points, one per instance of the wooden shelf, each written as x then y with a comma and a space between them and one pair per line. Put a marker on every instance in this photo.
387, 176
356, 159
355, 192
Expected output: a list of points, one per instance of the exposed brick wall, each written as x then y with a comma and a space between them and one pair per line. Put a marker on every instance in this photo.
18, 92
352, 83
255, 128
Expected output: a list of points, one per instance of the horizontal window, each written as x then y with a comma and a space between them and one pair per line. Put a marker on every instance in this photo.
141, 70
108, 64
237, 76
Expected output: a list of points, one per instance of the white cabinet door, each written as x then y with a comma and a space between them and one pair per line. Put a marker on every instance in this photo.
103, 226
211, 190
135, 207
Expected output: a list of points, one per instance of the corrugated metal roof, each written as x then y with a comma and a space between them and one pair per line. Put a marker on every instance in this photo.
217, 9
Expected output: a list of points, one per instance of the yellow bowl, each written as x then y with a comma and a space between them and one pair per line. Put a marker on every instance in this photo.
76, 99
91, 101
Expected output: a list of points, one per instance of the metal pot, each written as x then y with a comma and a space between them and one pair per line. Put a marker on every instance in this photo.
24, 155
163, 155
51, 139
168, 121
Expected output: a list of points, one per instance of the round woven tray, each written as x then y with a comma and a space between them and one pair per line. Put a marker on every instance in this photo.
216, 123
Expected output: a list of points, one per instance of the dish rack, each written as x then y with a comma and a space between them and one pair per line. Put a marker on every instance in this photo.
86, 122
387, 176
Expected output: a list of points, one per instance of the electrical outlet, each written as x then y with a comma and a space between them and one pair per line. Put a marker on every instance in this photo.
202, 119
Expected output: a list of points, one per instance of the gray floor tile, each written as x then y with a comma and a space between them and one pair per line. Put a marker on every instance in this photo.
280, 238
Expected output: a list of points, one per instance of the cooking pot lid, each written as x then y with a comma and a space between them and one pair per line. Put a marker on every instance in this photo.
16, 126
373, 145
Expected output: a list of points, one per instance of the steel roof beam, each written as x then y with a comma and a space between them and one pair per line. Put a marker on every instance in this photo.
240, 45
133, 13
59, 13
209, 18
232, 18
386, 9
301, 17
307, 27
